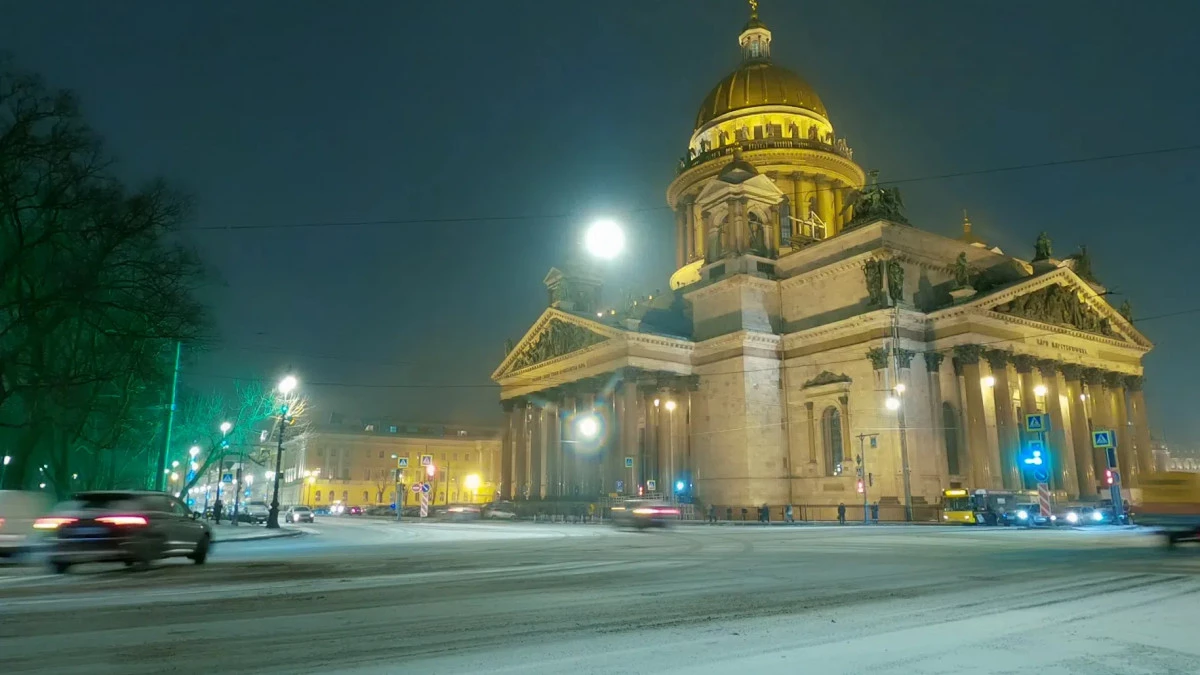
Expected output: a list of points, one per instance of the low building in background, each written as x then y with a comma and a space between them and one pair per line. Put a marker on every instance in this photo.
355, 464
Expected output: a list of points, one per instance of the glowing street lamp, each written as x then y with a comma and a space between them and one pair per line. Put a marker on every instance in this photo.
195, 450
588, 426
285, 387
1040, 390
604, 239
225, 427
892, 403
670, 406
988, 381
472, 482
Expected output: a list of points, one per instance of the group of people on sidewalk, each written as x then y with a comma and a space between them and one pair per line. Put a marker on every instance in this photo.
764, 513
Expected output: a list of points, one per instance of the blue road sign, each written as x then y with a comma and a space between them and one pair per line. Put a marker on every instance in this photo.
1036, 423
620, 485
1116, 477
628, 462
227, 478
1041, 475
1104, 438
652, 485
426, 460
425, 487
401, 462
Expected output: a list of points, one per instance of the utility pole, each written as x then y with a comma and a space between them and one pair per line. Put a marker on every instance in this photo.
861, 460
161, 470
273, 514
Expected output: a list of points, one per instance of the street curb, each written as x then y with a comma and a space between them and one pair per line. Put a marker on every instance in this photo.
283, 534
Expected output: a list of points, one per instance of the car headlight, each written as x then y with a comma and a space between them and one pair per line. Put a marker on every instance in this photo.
1097, 516
1023, 515
1053, 517
1072, 517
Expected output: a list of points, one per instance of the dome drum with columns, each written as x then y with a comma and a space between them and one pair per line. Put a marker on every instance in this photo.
777, 122
802, 298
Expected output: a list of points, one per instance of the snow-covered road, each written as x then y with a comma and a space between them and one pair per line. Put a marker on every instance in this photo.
373, 597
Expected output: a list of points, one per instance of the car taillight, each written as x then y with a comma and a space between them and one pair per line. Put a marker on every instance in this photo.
51, 523
667, 512
121, 520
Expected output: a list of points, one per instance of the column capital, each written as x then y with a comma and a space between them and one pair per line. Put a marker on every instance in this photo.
998, 358
1049, 368
1072, 371
933, 361
1093, 376
967, 354
1024, 363
1114, 380
1134, 382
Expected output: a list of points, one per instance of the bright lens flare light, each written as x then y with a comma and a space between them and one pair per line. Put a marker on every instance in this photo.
588, 426
472, 482
287, 384
604, 239
988, 381
1040, 390
892, 403
670, 406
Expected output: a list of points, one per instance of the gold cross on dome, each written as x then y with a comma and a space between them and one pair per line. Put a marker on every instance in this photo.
754, 9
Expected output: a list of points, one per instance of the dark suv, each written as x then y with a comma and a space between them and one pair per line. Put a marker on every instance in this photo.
130, 527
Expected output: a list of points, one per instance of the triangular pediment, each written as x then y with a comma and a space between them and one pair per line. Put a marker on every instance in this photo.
555, 334
1060, 299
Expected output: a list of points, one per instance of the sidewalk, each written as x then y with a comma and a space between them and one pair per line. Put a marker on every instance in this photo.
226, 533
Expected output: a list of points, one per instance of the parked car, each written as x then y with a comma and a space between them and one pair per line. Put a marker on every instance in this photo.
254, 512
131, 527
298, 514
18, 512
354, 510
1027, 515
458, 512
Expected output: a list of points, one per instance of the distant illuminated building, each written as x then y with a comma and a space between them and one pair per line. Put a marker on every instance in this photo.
801, 298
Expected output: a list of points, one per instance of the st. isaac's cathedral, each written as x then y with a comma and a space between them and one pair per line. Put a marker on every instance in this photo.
813, 338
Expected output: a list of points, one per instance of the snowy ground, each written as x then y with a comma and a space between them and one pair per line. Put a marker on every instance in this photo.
377, 597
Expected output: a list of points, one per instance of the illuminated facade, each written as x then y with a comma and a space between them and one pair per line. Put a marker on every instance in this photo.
352, 464
810, 325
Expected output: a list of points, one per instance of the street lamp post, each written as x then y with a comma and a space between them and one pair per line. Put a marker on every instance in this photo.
4, 471
286, 385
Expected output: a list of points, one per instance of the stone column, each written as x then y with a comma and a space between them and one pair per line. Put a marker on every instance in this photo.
627, 427
506, 450
551, 450
1099, 405
521, 450
933, 366
985, 473
825, 204
567, 444
838, 196
799, 205
680, 235
1126, 453
1139, 424
666, 440
1061, 445
537, 454
1080, 436
650, 457
612, 466
1006, 430
689, 229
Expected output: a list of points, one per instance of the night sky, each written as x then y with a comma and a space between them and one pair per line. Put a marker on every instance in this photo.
281, 115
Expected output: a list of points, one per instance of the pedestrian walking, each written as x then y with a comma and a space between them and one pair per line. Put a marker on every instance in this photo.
764, 514
842, 513
787, 514
875, 513
217, 508
712, 513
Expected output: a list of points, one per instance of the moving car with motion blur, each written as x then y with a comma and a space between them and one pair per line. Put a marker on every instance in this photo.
500, 511
1027, 515
298, 514
18, 512
1171, 505
461, 512
643, 513
131, 527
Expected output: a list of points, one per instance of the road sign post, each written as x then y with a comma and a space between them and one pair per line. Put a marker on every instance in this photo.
861, 460
651, 485
424, 504
1106, 439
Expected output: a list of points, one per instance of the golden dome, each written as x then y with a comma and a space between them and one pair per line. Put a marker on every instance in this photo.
758, 83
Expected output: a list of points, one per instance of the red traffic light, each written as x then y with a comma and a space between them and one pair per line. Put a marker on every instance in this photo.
1108, 477
860, 487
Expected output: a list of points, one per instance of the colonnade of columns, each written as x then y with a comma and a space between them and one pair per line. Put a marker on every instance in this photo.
640, 444
805, 193
1077, 400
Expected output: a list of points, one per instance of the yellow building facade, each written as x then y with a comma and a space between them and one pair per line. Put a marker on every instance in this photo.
354, 464
815, 344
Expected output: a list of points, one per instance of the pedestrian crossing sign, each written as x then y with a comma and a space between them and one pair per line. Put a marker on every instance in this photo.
401, 462
426, 460
1035, 423
628, 462
652, 485
1103, 438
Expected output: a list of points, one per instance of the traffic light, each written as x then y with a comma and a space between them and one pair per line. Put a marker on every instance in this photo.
1108, 477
